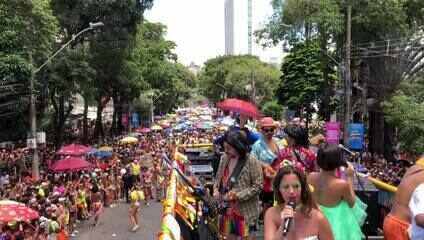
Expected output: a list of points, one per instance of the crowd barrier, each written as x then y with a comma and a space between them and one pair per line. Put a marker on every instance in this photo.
182, 216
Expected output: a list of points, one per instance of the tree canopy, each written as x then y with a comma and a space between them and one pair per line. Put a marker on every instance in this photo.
232, 76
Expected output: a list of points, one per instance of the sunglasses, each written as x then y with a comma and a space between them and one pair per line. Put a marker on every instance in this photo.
268, 129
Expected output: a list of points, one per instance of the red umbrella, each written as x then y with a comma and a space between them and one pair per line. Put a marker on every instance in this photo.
74, 150
71, 164
239, 106
17, 212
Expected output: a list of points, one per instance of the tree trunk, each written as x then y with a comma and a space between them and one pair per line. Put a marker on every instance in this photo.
325, 111
60, 122
98, 129
85, 122
376, 132
114, 127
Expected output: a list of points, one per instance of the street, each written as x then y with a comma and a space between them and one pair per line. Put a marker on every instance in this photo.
114, 224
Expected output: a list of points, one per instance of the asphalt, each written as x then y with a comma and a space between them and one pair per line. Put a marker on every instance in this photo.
114, 224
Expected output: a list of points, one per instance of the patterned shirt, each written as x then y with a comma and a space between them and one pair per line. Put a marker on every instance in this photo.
305, 162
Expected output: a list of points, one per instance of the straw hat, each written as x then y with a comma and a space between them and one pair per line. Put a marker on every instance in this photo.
267, 122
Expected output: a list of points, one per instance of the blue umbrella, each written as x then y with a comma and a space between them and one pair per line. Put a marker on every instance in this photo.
102, 154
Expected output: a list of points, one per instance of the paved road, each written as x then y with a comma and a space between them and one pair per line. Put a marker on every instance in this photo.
114, 224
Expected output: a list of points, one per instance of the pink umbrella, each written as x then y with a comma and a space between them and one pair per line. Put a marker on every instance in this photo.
74, 150
71, 164
17, 212
143, 130
239, 106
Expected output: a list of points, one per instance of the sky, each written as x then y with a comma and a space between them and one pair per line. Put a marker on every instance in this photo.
197, 27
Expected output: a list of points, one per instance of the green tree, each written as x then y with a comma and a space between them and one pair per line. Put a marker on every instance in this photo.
302, 81
26, 28
232, 76
110, 48
154, 56
406, 112
70, 74
273, 109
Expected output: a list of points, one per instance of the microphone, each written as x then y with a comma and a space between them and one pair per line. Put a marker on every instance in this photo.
288, 221
341, 146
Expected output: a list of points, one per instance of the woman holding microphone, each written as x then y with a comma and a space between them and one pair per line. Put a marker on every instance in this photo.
295, 217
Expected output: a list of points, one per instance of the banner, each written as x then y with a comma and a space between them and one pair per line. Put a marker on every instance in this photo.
356, 136
41, 137
31, 143
332, 132
134, 120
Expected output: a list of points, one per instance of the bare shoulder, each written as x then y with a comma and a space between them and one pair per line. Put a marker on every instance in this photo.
272, 213
312, 177
317, 214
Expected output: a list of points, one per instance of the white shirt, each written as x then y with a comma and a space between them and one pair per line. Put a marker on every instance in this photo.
416, 205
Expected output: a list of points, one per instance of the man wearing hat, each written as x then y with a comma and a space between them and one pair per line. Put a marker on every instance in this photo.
266, 151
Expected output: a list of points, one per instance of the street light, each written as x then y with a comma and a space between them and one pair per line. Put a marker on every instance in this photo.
32, 112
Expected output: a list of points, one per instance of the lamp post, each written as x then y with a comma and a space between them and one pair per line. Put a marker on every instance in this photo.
32, 110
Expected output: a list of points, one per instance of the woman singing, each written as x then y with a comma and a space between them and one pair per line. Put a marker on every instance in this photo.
238, 184
294, 201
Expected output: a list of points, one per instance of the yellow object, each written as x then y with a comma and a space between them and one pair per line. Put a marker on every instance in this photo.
129, 140
106, 149
156, 128
10, 202
181, 158
382, 185
135, 169
41, 192
420, 162
134, 196
282, 143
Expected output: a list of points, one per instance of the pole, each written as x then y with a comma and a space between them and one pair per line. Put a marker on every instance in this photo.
32, 109
348, 87
33, 121
253, 83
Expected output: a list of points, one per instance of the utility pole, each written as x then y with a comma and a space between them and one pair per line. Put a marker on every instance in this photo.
348, 84
33, 122
249, 26
32, 109
253, 84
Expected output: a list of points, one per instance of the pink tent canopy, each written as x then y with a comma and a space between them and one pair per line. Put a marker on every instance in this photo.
74, 150
71, 164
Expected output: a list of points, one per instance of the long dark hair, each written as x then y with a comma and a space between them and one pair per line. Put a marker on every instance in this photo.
238, 140
330, 157
305, 195
299, 134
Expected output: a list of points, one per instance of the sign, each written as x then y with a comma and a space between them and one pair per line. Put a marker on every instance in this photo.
332, 132
134, 120
124, 119
41, 137
356, 136
31, 143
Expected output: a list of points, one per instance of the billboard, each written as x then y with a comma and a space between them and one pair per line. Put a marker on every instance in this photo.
356, 136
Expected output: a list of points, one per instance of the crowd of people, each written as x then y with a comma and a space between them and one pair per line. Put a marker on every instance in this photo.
64, 199
314, 188
258, 176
